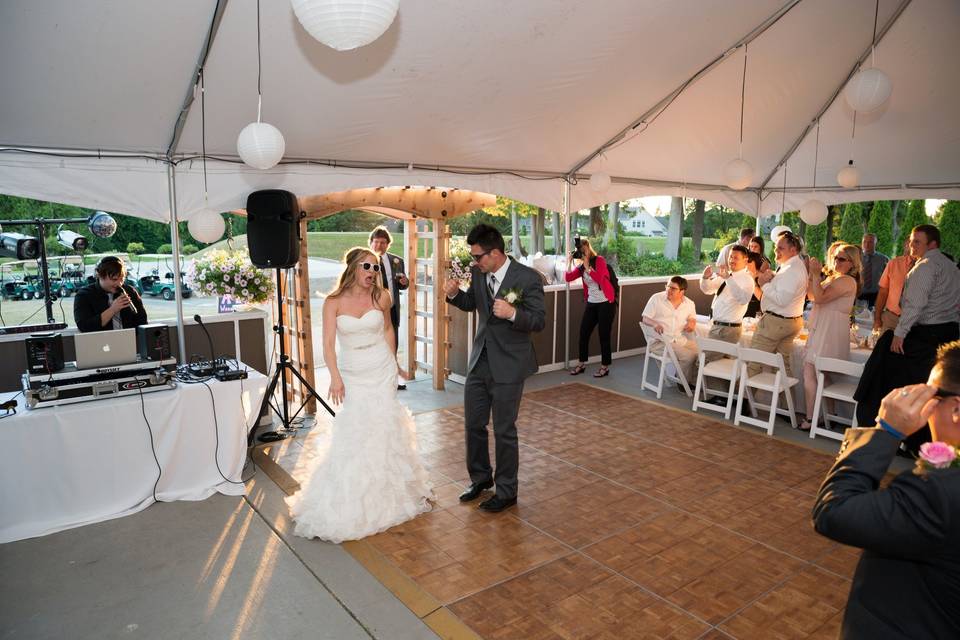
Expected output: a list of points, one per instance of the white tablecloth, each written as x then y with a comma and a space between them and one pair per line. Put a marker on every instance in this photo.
77, 464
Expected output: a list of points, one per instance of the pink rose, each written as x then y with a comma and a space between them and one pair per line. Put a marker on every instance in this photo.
938, 455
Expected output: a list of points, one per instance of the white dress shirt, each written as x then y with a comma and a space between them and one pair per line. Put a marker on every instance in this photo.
787, 292
497, 280
387, 267
731, 304
674, 319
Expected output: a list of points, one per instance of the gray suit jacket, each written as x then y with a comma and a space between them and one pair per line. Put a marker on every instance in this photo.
907, 584
509, 348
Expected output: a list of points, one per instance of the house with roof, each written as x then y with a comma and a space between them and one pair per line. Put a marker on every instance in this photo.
636, 219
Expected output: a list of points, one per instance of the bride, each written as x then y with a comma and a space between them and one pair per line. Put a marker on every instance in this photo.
365, 474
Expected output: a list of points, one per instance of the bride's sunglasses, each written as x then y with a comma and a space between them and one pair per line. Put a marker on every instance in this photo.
368, 265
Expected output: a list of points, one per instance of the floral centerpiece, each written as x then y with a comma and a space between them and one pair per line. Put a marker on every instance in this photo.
460, 261
230, 274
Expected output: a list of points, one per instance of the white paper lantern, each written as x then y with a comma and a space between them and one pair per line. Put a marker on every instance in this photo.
738, 174
206, 226
776, 231
849, 177
813, 212
600, 181
345, 24
260, 145
868, 90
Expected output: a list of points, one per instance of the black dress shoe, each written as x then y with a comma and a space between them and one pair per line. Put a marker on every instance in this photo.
497, 504
473, 491
401, 387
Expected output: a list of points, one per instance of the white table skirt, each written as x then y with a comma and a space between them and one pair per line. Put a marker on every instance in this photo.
71, 465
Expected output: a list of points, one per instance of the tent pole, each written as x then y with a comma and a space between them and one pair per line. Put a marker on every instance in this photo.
175, 242
566, 246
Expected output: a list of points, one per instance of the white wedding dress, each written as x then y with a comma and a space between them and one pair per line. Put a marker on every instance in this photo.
366, 474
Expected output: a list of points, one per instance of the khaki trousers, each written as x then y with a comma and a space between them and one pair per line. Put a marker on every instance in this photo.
727, 334
687, 355
889, 320
775, 335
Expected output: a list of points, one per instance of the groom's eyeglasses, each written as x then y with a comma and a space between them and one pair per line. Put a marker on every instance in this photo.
943, 394
369, 265
477, 257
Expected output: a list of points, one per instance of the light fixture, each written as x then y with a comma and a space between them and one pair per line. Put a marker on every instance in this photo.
849, 177
102, 224
345, 24
206, 226
738, 174
869, 88
19, 246
600, 180
814, 211
71, 240
259, 144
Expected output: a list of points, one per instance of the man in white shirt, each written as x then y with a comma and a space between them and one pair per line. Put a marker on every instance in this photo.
674, 315
746, 235
733, 289
782, 295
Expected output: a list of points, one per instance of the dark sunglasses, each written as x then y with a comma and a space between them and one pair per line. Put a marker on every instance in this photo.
840, 259
477, 257
943, 393
368, 265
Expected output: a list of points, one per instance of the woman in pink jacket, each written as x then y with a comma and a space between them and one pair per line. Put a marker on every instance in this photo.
600, 297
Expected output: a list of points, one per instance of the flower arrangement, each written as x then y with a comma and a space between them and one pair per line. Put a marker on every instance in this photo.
223, 273
460, 261
936, 455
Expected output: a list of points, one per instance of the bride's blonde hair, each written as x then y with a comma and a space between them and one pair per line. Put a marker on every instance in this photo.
352, 258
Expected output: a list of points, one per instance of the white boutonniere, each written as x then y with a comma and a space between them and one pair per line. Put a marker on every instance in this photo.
513, 296
396, 261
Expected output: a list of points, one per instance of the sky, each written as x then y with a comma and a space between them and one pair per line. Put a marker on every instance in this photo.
663, 202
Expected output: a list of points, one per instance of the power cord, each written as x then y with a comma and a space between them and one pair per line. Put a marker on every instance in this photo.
153, 448
216, 432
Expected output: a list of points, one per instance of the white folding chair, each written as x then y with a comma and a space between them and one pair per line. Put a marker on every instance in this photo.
775, 382
726, 368
837, 390
665, 356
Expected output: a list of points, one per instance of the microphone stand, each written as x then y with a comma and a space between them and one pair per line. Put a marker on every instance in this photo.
279, 375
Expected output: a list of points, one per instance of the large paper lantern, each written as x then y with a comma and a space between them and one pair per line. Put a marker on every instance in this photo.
600, 181
738, 174
813, 212
346, 24
868, 90
776, 231
260, 145
206, 226
849, 177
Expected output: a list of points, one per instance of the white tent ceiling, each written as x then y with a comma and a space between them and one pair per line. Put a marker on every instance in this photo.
499, 96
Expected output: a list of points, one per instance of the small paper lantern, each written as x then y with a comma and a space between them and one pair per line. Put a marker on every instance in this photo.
600, 181
260, 145
206, 226
345, 24
813, 212
738, 174
849, 177
776, 231
868, 90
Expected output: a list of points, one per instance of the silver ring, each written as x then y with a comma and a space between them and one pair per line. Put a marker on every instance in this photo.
904, 393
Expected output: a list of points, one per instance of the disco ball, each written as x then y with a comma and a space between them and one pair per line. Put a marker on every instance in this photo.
102, 224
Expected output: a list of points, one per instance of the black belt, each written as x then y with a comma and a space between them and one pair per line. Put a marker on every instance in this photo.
727, 324
777, 315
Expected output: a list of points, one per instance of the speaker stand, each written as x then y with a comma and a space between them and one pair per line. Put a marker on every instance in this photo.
286, 429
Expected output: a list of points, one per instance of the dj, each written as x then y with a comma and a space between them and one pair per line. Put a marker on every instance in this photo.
107, 303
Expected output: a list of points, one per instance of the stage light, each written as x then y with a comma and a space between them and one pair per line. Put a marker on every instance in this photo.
72, 240
19, 246
102, 224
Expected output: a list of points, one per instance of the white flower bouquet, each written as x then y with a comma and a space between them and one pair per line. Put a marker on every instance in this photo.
222, 273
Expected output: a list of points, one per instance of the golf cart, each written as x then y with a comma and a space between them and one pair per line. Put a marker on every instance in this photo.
154, 285
71, 278
12, 284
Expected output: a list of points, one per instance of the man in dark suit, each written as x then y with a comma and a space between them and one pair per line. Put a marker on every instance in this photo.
508, 299
107, 303
394, 277
906, 585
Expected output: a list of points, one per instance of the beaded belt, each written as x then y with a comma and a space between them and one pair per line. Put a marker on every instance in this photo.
367, 346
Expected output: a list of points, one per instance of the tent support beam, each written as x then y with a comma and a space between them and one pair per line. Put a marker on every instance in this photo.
833, 97
194, 78
175, 241
566, 245
669, 98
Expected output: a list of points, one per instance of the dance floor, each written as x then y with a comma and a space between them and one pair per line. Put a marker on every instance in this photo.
634, 520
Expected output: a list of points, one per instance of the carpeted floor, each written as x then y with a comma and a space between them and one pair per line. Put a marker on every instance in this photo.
634, 520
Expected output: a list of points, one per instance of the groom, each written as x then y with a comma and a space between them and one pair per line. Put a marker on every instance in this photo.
508, 299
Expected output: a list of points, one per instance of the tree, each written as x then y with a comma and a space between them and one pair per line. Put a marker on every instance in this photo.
916, 214
851, 228
948, 220
816, 240
597, 222
696, 233
675, 229
881, 224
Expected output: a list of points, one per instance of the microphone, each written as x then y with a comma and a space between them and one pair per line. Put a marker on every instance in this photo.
133, 307
199, 321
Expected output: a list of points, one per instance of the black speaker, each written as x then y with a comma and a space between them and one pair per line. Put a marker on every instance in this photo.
44, 352
273, 228
153, 341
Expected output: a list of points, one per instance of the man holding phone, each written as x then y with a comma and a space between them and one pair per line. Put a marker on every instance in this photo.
107, 303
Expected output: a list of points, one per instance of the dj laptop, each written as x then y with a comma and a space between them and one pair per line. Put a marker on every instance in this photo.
105, 348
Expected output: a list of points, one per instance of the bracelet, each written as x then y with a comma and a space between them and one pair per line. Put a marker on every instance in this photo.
889, 428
